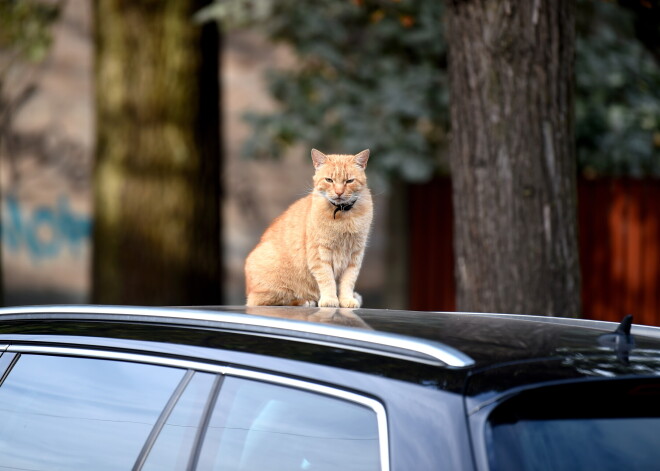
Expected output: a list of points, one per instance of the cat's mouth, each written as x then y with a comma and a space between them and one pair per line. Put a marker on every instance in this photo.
343, 200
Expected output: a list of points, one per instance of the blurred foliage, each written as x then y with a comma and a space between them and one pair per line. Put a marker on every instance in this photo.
372, 73
25, 27
618, 88
25, 36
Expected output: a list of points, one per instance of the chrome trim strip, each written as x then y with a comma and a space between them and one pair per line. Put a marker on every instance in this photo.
162, 420
420, 350
373, 404
110, 355
202, 429
7, 363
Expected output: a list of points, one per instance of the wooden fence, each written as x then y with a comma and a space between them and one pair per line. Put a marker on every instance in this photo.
619, 223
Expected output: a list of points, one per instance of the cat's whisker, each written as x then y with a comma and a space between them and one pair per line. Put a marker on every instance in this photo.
306, 192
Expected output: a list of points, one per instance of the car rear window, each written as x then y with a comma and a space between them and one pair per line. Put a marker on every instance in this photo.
604, 425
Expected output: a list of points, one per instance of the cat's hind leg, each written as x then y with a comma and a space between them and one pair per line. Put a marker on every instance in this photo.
302, 302
259, 298
276, 299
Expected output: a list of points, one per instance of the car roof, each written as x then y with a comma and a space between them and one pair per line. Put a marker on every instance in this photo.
447, 339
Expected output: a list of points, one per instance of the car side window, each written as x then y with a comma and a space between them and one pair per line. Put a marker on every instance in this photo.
71, 413
258, 426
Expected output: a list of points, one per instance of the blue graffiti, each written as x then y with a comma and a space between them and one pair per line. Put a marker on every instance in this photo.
44, 231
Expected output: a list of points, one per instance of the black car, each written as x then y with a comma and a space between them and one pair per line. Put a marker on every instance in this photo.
270, 389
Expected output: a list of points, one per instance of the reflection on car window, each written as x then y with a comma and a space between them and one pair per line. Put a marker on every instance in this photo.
577, 444
567, 427
75, 413
259, 426
174, 444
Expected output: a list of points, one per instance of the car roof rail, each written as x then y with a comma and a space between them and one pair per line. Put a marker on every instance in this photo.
358, 339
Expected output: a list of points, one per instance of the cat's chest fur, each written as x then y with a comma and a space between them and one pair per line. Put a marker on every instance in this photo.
340, 231
342, 235
344, 225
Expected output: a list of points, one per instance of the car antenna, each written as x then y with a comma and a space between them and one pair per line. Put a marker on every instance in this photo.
621, 340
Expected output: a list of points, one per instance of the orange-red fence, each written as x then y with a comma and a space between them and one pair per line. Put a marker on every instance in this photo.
619, 223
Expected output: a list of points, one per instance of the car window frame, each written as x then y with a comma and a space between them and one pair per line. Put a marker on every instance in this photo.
15, 350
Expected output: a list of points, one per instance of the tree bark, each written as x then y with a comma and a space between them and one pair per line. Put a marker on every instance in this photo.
157, 172
512, 156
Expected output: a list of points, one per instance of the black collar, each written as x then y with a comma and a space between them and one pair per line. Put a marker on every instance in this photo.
341, 207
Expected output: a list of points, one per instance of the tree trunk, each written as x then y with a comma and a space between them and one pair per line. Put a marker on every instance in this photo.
157, 174
512, 156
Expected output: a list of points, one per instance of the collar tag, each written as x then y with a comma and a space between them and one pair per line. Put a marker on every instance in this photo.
341, 207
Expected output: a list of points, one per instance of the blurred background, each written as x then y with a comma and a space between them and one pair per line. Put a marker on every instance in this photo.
146, 145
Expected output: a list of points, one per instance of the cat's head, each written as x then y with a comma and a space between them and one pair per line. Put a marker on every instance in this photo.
340, 178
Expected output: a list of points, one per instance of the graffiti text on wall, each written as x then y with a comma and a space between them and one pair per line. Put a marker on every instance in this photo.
44, 231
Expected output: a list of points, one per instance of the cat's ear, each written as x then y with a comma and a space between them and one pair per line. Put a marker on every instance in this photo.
318, 158
362, 158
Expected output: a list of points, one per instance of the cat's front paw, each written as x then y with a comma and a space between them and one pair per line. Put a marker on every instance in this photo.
328, 301
351, 303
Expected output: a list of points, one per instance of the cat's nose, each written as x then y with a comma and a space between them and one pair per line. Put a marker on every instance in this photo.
339, 191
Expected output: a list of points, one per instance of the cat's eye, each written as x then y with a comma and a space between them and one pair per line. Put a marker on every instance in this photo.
351, 180
329, 180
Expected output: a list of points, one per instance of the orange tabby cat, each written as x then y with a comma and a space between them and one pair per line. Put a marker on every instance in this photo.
312, 253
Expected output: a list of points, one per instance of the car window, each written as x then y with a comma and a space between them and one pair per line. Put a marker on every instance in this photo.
577, 444
259, 426
70, 413
570, 427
